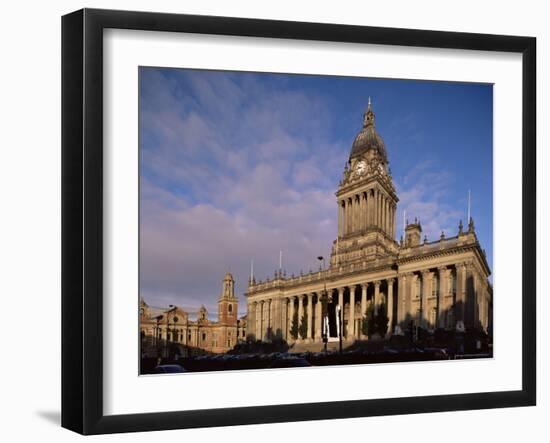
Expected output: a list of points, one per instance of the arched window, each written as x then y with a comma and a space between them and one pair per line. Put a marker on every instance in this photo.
230, 308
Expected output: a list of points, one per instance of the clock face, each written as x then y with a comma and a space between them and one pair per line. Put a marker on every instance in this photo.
360, 167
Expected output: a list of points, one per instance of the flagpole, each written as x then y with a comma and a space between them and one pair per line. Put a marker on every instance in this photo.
469, 205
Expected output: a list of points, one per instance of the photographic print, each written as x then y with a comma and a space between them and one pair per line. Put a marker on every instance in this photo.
293, 220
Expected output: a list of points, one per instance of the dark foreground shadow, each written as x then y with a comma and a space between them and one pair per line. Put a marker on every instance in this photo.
54, 417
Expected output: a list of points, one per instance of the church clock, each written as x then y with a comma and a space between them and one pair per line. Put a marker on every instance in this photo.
360, 167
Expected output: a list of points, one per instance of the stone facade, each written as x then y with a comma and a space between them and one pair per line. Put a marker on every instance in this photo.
172, 325
431, 284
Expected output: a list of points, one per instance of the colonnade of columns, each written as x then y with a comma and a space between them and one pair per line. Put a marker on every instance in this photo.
431, 298
307, 308
444, 296
371, 208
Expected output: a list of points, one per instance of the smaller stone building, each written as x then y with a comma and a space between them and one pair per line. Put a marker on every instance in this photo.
168, 331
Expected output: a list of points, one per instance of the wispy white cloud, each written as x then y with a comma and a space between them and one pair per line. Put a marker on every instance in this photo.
224, 183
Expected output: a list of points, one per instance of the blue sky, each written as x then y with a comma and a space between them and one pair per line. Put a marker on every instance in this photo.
237, 166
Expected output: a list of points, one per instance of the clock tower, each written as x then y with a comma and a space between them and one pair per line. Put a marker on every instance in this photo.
228, 303
366, 200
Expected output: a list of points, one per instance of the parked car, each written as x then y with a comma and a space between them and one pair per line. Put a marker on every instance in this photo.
169, 369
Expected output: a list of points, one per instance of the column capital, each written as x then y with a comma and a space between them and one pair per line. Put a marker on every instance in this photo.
377, 283
390, 281
341, 290
365, 285
461, 265
425, 272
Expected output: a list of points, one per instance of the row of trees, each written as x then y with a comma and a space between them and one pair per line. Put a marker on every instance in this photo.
371, 323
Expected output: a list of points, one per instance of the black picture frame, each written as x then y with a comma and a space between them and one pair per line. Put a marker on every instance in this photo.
82, 218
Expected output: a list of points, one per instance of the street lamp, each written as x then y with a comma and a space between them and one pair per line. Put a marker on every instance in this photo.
324, 302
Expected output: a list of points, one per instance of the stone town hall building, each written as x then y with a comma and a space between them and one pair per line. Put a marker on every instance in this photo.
172, 325
432, 284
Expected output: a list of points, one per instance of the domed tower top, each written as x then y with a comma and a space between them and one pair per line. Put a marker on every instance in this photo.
368, 138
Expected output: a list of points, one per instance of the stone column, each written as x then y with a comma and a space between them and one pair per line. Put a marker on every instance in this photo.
349, 215
351, 321
460, 292
384, 214
389, 217
291, 317
375, 207
300, 313
424, 301
364, 288
442, 305
356, 204
251, 319
284, 318
258, 320
376, 296
392, 235
392, 229
318, 314
370, 206
359, 212
379, 208
340, 217
363, 207
269, 322
346, 217
352, 218
390, 282
341, 304
351, 210
404, 295
309, 316
471, 295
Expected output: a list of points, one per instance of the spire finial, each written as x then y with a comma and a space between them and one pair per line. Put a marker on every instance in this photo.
369, 102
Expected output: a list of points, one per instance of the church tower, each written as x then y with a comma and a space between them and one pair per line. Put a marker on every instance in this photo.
366, 199
228, 303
